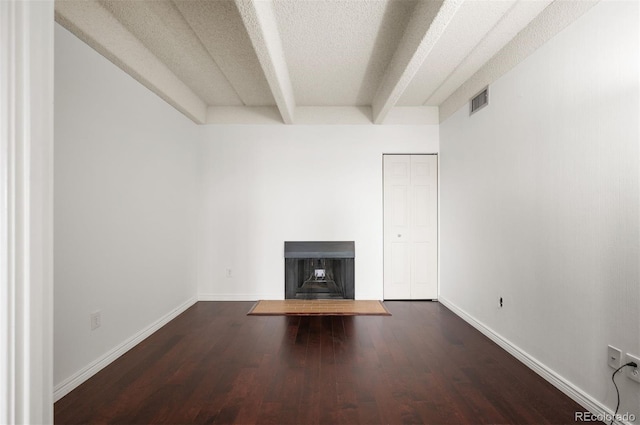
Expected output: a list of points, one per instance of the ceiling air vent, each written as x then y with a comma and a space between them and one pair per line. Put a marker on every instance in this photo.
480, 100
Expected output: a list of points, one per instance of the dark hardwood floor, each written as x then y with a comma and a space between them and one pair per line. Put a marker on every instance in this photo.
215, 365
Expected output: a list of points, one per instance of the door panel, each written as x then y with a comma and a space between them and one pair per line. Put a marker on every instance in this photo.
399, 207
424, 280
400, 278
422, 213
396, 169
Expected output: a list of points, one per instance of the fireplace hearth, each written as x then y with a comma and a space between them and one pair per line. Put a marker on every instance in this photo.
319, 270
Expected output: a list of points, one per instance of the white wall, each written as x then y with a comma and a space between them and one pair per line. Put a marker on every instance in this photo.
263, 185
540, 204
125, 207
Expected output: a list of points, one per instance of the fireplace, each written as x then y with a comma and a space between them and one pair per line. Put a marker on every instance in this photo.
319, 270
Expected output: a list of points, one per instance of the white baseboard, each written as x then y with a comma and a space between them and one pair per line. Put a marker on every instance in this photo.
573, 392
237, 297
69, 384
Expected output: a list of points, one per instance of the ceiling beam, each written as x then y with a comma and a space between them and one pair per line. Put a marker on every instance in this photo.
260, 22
427, 25
97, 27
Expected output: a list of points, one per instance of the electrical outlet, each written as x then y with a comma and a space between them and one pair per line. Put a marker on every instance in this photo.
500, 302
96, 320
633, 373
228, 272
614, 357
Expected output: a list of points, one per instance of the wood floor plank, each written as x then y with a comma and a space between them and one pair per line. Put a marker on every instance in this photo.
215, 365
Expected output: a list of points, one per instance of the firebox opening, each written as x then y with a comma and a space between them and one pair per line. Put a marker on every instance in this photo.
319, 270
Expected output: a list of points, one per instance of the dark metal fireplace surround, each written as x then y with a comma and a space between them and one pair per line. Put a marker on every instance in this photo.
319, 270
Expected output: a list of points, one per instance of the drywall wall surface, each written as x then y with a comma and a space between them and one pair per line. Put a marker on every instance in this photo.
264, 185
540, 203
125, 197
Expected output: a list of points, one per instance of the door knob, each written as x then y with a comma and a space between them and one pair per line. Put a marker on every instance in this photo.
399, 235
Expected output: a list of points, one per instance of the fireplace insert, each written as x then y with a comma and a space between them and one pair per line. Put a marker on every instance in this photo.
319, 270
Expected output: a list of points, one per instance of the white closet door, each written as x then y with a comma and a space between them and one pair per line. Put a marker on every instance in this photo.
397, 194
410, 226
424, 227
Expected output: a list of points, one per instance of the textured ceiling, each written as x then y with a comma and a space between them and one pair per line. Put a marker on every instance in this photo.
344, 45
300, 61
